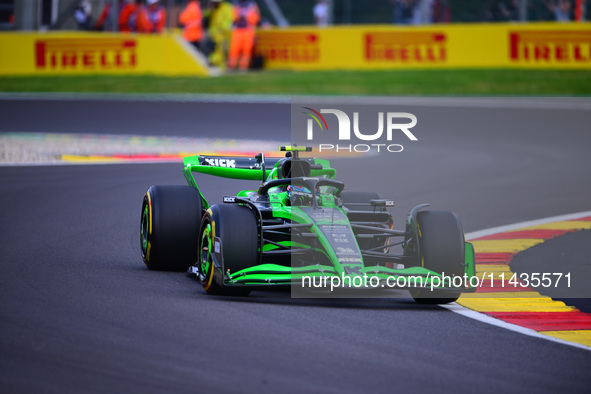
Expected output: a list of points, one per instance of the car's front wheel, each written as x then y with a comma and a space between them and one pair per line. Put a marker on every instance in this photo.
441, 244
228, 237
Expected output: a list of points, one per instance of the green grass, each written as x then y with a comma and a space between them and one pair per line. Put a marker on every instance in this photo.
407, 82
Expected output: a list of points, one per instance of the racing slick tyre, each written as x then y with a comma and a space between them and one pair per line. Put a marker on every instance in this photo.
441, 244
361, 201
235, 227
169, 227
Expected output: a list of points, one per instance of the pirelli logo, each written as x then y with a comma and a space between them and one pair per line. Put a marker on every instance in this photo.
86, 54
550, 46
406, 47
290, 47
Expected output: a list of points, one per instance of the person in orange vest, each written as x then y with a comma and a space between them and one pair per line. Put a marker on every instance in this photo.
139, 22
156, 16
191, 19
246, 18
125, 13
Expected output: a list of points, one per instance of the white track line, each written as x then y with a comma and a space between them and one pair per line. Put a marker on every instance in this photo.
500, 323
513, 327
516, 226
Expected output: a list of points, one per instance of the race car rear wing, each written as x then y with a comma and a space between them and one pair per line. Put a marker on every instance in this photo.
233, 167
257, 168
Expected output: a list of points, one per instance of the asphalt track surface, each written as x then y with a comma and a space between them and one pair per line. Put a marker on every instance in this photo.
80, 313
567, 253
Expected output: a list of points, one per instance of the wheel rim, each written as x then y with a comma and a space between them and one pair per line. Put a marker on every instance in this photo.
206, 259
145, 230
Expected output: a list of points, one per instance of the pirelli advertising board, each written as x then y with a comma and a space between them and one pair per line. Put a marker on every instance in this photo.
548, 45
545, 45
79, 53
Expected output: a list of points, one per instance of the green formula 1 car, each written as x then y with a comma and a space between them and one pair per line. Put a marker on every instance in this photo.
300, 228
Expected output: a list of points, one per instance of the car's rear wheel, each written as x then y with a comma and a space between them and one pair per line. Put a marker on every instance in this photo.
230, 232
169, 227
441, 244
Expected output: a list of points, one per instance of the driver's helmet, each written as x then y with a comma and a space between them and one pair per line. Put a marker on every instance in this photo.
299, 195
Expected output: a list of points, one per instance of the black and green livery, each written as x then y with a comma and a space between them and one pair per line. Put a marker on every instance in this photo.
300, 224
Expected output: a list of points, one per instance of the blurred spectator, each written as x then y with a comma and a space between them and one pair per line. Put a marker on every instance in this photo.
513, 10
139, 20
82, 15
246, 18
104, 22
403, 11
579, 8
221, 17
191, 19
422, 12
508, 10
560, 8
126, 10
321, 13
441, 11
502, 11
156, 16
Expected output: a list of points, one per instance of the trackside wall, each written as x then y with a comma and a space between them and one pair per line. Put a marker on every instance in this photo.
503, 45
97, 53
